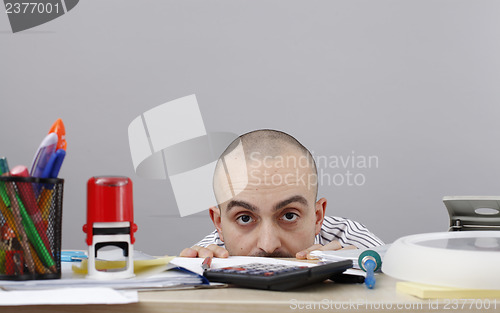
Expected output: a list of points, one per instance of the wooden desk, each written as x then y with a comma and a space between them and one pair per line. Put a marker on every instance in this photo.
325, 297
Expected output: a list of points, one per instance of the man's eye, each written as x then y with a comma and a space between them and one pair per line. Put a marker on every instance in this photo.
290, 217
244, 219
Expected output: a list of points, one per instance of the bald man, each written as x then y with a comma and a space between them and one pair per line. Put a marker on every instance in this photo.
265, 184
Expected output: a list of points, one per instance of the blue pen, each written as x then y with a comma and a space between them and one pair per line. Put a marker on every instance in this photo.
53, 166
61, 154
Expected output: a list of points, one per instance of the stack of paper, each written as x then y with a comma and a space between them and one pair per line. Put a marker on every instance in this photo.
74, 288
151, 273
172, 278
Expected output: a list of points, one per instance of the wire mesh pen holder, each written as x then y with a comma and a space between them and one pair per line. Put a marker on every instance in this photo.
30, 228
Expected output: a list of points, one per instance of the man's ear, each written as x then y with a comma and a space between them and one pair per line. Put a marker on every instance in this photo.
216, 219
320, 214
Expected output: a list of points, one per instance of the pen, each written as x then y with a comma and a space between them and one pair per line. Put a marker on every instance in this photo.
7, 215
54, 164
9, 218
26, 228
4, 166
6, 238
206, 263
5, 208
23, 238
43, 154
27, 194
43, 252
40, 269
44, 201
51, 171
59, 129
4, 169
55, 140
3, 250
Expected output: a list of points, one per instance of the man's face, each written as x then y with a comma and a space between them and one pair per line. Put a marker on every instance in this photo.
274, 212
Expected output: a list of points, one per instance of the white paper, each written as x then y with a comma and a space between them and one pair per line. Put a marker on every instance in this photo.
347, 254
67, 296
194, 264
163, 280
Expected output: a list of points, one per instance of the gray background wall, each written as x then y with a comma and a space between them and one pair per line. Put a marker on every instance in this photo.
414, 83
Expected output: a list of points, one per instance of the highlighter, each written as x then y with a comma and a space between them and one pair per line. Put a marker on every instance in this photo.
43, 154
58, 128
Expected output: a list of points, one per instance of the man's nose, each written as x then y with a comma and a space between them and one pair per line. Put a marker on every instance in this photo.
269, 240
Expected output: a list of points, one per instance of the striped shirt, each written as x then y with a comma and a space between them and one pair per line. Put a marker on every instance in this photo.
347, 232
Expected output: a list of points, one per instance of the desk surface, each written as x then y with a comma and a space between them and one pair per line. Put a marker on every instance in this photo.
324, 297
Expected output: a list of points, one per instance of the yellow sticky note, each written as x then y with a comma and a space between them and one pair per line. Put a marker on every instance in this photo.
439, 292
140, 266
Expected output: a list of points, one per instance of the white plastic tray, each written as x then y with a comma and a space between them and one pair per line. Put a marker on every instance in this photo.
469, 259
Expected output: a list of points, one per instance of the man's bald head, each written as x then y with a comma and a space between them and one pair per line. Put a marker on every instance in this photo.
272, 151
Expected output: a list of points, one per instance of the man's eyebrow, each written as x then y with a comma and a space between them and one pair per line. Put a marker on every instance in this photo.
242, 204
293, 199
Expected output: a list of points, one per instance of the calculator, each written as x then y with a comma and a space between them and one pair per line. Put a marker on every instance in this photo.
275, 276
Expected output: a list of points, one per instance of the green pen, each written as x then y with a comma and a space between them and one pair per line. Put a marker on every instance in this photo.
29, 226
4, 168
35, 238
23, 237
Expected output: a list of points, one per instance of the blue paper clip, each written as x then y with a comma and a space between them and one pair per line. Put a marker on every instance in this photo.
73, 256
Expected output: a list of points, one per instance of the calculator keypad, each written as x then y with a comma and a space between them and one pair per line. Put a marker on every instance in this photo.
258, 269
